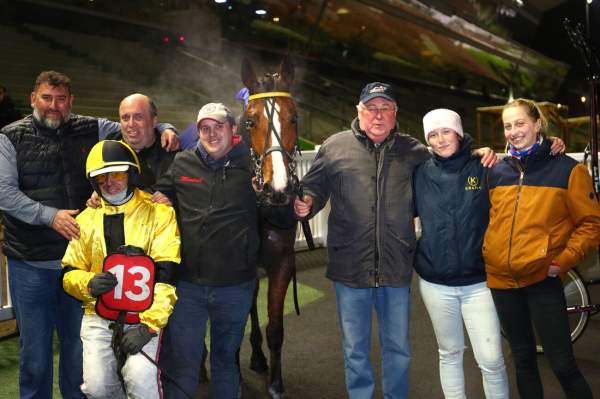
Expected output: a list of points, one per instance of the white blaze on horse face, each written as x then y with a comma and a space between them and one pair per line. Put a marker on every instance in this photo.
279, 180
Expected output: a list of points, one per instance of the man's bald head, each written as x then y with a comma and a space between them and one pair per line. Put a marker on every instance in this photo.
138, 116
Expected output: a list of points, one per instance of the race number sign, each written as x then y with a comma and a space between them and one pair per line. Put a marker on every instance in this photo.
135, 289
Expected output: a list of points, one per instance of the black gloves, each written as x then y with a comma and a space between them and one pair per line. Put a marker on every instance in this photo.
102, 283
135, 338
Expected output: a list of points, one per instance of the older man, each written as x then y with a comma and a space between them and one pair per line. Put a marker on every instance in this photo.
216, 208
367, 174
42, 187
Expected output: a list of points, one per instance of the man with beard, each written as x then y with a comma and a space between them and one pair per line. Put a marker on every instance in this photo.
42, 187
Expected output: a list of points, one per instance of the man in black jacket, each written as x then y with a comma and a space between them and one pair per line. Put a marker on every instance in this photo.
217, 214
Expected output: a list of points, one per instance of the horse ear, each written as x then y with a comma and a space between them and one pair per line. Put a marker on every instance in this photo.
286, 71
249, 76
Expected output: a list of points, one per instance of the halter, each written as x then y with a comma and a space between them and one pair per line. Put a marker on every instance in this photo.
269, 99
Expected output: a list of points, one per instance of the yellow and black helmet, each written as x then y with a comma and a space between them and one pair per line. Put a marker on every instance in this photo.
111, 156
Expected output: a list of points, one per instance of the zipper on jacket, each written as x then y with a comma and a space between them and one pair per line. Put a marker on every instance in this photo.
379, 156
65, 191
512, 227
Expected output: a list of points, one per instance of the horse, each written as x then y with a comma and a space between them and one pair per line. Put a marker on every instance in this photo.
270, 123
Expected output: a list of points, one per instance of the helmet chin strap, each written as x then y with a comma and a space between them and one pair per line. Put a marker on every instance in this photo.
118, 198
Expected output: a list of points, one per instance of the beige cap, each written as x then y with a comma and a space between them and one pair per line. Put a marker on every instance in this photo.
216, 111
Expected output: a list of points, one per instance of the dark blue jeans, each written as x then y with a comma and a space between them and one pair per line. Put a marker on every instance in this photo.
40, 305
541, 305
181, 354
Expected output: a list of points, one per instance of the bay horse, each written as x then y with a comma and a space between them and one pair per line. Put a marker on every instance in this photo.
270, 123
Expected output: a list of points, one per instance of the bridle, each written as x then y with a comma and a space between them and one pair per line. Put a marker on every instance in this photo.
269, 100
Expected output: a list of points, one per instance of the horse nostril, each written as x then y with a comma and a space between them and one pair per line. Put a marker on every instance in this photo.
279, 198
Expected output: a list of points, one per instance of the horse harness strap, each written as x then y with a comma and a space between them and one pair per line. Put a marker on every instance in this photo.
269, 99
271, 130
269, 94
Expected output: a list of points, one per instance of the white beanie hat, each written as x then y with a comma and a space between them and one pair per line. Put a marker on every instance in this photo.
442, 117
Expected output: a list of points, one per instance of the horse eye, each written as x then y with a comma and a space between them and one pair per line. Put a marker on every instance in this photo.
294, 119
249, 124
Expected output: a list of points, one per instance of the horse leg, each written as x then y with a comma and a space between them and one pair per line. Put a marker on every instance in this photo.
258, 361
279, 279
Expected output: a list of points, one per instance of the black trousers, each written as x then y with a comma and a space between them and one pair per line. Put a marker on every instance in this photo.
541, 305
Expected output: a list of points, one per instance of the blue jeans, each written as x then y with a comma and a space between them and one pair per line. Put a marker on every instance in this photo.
181, 354
355, 307
448, 307
40, 305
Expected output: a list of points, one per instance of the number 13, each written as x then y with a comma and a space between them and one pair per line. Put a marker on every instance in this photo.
141, 283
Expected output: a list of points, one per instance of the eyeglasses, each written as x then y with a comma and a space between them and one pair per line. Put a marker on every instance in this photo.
116, 176
373, 110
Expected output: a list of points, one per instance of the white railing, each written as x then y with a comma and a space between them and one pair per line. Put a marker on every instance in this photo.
6, 310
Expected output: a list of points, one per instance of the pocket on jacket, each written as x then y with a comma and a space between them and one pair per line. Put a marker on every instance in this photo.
495, 251
399, 251
528, 250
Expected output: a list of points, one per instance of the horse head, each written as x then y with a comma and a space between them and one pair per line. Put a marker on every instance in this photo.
270, 121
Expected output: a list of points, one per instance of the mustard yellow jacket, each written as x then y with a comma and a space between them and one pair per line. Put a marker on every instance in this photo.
150, 226
542, 210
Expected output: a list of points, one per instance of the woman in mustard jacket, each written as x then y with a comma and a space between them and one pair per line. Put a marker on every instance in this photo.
544, 218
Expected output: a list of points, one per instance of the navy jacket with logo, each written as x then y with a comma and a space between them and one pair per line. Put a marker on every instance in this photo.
452, 201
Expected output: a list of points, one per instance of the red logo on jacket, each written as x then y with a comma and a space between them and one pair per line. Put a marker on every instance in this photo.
187, 179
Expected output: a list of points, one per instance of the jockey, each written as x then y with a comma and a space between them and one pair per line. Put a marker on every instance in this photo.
126, 308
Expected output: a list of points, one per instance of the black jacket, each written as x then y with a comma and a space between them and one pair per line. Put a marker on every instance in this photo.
452, 202
51, 167
217, 215
371, 234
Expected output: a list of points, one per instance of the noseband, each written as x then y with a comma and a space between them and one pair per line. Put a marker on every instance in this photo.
270, 109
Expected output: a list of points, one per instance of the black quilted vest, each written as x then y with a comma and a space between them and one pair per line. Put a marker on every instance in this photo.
51, 167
